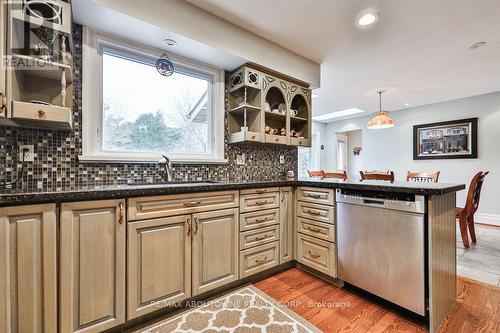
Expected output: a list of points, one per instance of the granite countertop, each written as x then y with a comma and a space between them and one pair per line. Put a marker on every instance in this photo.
11, 197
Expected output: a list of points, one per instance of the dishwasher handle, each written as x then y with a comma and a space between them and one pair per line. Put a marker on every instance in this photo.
373, 202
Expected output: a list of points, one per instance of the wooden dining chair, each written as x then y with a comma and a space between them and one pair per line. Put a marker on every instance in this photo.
423, 177
465, 215
342, 175
377, 175
315, 173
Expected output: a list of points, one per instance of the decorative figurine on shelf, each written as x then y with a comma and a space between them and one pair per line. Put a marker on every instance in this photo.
292, 133
298, 134
357, 150
267, 107
293, 113
282, 108
283, 132
272, 131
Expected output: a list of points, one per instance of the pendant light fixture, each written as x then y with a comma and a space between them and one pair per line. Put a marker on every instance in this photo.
381, 119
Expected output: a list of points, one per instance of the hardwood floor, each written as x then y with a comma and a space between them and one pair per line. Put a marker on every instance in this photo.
333, 309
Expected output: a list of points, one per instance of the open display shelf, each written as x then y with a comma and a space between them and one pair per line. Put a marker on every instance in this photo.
260, 108
244, 104
39, 86
299, 122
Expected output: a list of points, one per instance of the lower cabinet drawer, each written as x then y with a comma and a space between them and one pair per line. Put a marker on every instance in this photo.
317, 254
317, 229
316, 212
259, 236
263, 218
258, 259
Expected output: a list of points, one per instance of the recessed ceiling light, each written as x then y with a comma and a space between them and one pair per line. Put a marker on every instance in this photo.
170, 42
338, 114
407, 104
367, 18
477, 45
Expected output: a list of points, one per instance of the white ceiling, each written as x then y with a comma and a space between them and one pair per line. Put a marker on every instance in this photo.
418, 50
100, 18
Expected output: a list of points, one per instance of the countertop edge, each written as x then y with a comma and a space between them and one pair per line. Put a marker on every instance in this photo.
123, 191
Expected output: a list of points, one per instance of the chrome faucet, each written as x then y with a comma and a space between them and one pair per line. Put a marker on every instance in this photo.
166, 165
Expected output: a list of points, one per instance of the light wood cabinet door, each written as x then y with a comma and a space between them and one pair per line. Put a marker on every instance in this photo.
286, 224
92, 283
159, 264
215, 249
28, 269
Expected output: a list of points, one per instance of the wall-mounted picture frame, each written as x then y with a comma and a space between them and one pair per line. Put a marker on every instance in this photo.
445, 140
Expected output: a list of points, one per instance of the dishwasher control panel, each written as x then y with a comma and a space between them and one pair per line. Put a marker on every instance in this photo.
396, 201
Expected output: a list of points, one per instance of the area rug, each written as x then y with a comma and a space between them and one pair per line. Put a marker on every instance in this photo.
246, 310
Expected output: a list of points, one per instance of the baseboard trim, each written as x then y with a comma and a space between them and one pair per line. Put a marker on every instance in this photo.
490, 219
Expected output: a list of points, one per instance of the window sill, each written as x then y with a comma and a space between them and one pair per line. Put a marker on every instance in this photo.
151, 160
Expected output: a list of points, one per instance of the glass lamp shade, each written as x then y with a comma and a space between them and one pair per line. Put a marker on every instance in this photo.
380, 120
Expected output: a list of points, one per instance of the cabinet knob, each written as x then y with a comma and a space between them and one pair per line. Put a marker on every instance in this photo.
257, 261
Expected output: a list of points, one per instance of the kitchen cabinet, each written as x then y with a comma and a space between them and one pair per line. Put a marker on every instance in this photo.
215, 249
261, 228
266, 106
315, 229
286, 224
92, 266
28, 269
158, 264
204, 238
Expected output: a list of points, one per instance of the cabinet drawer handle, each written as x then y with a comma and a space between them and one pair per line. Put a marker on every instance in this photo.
264, 202
314, 196
41, 114
261, 220
188, 226
314, 255
258, 261
314, 229
313, 212
121, 213
258, 238
261, 191
3, 102
196, 225
192, 203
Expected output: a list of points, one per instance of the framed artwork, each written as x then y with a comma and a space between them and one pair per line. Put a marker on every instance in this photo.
445, 140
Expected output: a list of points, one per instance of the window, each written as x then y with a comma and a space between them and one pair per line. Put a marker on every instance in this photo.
341, 152
135, 114
309, 157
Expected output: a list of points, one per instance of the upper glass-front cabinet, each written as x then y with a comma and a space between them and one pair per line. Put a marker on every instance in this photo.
264, 107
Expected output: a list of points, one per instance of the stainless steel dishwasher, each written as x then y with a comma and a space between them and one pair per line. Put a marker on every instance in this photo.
381, 245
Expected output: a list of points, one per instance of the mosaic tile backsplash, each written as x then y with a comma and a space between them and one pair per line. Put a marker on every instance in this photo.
56, 165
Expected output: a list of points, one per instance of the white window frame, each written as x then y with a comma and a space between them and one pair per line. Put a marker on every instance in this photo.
92, 89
